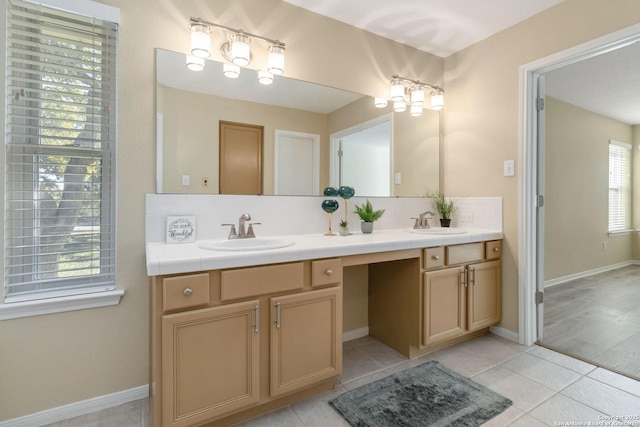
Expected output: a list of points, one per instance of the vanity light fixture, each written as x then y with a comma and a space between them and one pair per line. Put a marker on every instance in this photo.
231, 71
406, 92
236, 49
194, 63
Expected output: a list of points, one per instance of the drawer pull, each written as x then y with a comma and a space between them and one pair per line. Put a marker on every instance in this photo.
329, 272
436, 257
188, 291
496, 250
256, 310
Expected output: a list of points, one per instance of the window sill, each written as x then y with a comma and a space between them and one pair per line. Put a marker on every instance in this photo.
59, 305
620, 232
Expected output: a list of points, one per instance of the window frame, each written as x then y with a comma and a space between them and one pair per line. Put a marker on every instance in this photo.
70, 299
623, 188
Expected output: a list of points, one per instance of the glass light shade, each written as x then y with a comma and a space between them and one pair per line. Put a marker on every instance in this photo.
416, 110
265, 77
397, 90
380, 102
240, 49
194, 63
417, 96
399, 106
437, 100
276, 59
231, 71
200, 40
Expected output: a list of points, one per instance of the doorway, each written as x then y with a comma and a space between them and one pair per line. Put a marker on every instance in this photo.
369, 140
296, 164
537, 201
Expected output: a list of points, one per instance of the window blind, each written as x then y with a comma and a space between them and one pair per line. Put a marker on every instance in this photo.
619, 186
60, 153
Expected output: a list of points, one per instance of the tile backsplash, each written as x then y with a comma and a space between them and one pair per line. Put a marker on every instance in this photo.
287, 215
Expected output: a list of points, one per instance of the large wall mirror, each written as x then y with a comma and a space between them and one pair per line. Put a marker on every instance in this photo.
311, 136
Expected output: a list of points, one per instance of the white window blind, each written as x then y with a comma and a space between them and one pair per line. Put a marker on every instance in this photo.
60, 153
619, 186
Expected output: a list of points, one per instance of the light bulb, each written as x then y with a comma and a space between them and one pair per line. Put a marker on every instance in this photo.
399, 106
231, 71
200, 40
380, 102
276, 59
437, 99
265, 77
194, 63
240, 49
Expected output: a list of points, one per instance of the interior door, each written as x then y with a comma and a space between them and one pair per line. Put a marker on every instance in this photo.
240, 158
296, 164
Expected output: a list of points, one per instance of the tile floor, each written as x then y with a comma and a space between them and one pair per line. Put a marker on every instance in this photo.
547, 388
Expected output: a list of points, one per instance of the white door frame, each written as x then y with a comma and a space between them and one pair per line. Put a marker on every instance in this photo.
315, 167
528, 155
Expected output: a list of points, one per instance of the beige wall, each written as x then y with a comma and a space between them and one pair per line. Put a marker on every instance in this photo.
52, 360
635, 191
482, 106
48, 361
576, 190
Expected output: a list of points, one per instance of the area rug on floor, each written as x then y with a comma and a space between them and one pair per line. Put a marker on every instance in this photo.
426, 395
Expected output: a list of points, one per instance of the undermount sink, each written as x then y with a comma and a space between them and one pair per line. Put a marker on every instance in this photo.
448, 231
251, 244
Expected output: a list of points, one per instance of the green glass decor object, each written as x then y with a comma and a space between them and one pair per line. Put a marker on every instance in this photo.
330, 206
346, 193
330, 192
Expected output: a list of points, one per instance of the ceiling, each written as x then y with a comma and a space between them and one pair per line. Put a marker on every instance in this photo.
608, 84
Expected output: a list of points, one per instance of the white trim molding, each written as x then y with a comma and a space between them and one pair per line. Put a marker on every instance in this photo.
16, 310
505, 333
355, 334
563, 279
82, 407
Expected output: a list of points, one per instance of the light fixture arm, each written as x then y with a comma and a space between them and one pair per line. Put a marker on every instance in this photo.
416, 82
233, 30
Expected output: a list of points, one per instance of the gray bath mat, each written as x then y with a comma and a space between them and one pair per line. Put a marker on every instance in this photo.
426, 395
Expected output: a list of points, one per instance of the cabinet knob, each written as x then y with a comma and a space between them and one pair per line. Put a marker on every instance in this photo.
436, 257
187, 291
496, 250
329, 272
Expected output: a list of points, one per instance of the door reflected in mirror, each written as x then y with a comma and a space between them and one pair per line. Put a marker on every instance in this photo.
301, 123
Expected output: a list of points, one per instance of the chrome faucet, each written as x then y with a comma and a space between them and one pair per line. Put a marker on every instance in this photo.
423, 220
243, 232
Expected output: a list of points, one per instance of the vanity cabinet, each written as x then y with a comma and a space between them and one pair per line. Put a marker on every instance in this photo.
461, 290
238, 340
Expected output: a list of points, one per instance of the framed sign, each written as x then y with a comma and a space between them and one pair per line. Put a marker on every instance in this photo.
181, 229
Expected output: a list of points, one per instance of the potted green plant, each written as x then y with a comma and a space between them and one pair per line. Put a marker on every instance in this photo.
368, 216
344, 228
444, 207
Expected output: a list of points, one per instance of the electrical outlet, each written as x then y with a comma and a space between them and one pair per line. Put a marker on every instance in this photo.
205, 181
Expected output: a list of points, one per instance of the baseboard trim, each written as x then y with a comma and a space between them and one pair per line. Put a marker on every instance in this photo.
505, 333
587, 273
353, 334
75, 409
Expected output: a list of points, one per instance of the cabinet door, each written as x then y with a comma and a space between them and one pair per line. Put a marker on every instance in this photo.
306, 339
444, 299
210, 362
484, 294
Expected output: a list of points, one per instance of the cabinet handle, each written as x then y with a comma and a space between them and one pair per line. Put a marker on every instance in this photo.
436, 257
256, 312
473, 275
329, 272
187, 291
496, 249
463, 277
278, 315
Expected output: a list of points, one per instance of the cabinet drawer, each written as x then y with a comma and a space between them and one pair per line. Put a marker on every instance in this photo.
254, 281
462, 254
326, 272
433, 257
494, 249
185, 291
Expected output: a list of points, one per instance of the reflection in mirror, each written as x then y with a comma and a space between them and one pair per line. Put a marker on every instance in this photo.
302, 126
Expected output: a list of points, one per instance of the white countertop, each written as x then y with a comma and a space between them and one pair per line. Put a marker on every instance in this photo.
165, 258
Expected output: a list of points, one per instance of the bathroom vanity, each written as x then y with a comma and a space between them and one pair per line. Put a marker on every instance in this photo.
235, 334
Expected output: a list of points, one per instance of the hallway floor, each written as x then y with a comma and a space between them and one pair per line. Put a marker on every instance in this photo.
597, 318
547, 388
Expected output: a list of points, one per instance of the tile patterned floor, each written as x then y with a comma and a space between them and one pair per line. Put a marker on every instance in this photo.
547, 388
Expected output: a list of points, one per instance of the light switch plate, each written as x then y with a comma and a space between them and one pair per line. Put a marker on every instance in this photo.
186, 180
509, 168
